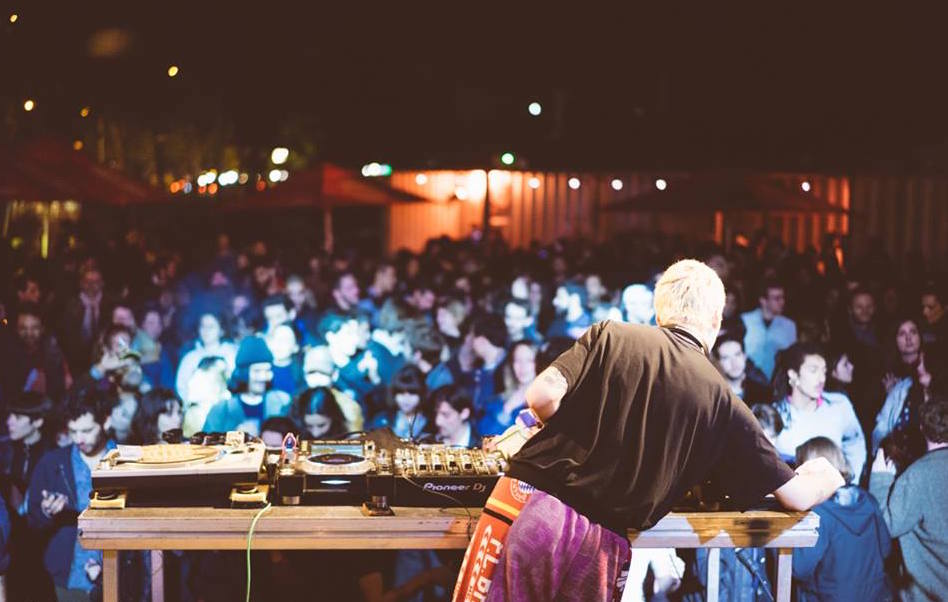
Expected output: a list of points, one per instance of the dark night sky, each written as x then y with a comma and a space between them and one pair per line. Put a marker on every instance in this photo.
779, 88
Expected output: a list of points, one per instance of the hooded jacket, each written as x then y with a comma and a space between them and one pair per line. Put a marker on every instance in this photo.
847, 561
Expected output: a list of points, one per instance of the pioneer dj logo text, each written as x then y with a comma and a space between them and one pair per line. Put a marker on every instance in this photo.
478, 487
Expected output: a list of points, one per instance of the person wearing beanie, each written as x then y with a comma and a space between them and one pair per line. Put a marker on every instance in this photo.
253, 401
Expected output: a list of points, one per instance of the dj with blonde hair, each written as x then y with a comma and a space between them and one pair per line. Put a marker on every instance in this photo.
632, 416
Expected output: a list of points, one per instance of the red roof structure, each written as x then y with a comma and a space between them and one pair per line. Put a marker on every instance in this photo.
46, 170
324, 186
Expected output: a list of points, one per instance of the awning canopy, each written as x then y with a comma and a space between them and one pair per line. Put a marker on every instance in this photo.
727, 192
47, 170
324, 186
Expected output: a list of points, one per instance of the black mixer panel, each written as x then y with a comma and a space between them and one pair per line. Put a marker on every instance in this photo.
405, 474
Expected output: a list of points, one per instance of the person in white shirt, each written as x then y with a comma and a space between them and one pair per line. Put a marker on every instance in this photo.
807, 411
767, 330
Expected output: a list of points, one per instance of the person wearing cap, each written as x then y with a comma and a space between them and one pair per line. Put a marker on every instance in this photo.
26, 444
19, 456
253, 400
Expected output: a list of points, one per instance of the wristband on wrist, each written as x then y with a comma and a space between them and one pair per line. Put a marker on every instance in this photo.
528, 418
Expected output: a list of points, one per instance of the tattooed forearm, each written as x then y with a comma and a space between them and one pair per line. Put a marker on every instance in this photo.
556, 381
545, 393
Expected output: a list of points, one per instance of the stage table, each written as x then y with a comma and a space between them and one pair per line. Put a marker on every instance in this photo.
346, 528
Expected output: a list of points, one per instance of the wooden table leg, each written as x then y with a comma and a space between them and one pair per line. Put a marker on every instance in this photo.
157, 576
784, 574
110, 576
714, 574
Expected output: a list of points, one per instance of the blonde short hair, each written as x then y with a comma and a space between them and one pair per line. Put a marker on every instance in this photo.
822, 447
689, 292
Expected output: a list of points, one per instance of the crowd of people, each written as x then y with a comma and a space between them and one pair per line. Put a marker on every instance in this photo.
136, 343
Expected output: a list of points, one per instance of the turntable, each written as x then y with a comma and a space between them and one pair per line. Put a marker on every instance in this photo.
177, 474
340, 459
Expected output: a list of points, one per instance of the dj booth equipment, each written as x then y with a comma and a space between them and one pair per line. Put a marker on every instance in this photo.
370, 493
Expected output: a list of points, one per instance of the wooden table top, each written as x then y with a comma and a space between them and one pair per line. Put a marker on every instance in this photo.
345, 527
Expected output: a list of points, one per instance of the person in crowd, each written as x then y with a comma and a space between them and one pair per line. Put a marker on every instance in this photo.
317, 415
210, 342
156, 359
388, 342
731, 323
913, 506
862, 338
320, 371
383, 286
861, 327
420, 297
277, 311
453, 411
407, 412
265, 282
125, 394
572, 320
618, 388
242, 316
767, 329
19, 455
808, 411
287, 366
519, 370
487, 336
356, 374
158, 412
746, 381
274, 429
847, 562
303, 308
637, 305
840, 370
206, 388
60, 489
770, 421
113, 354
253, 400
32, 360
935, 331
428, 352
599, 305
25, 444
83, 316
28, 289
902, 361
900, 411
450, 315
521, 326
345, 293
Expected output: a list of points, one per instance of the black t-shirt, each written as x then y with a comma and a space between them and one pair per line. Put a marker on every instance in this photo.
646, 416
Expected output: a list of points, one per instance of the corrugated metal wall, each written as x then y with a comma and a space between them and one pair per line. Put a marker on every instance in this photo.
902, 213
905, 213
